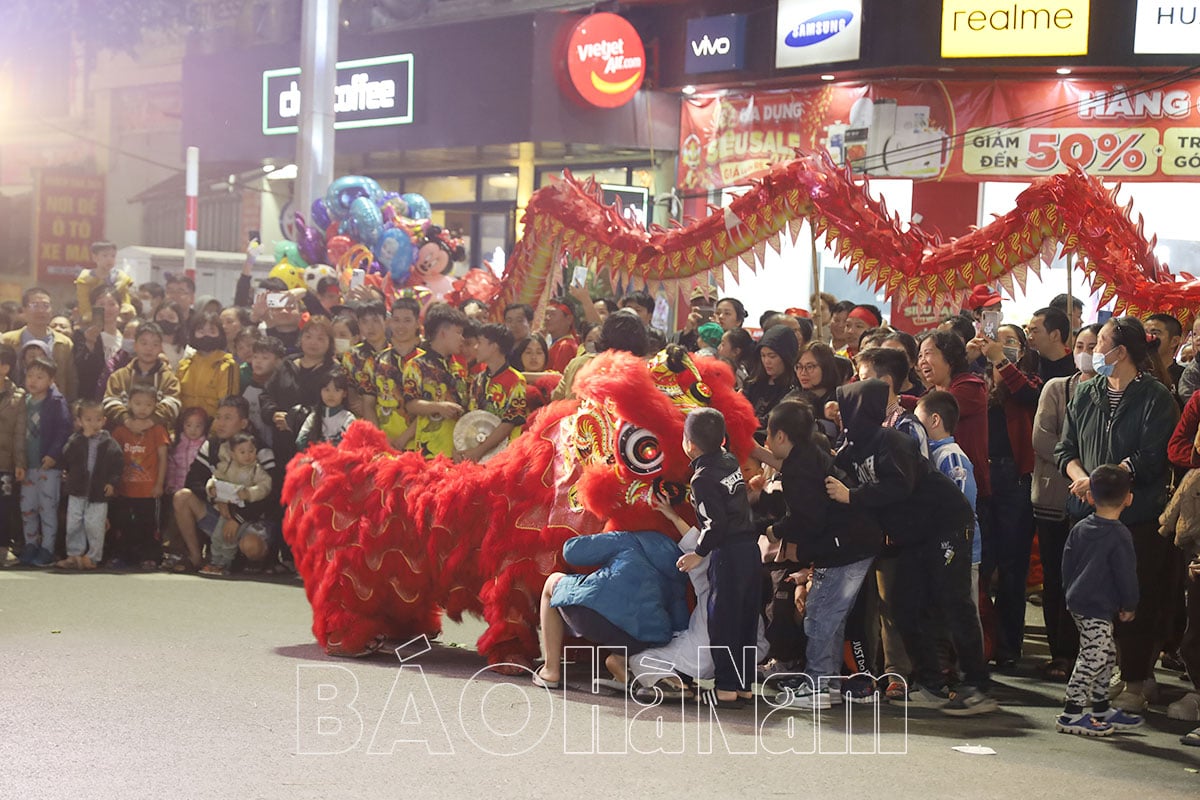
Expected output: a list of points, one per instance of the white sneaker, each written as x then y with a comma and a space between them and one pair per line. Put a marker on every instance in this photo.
1187, 707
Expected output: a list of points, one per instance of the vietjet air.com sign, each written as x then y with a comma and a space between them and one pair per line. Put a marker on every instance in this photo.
606, 61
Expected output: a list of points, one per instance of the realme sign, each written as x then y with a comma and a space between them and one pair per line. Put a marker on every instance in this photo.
1000, 28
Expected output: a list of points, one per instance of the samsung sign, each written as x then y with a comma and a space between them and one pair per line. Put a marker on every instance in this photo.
1164, 27
370, 93
715, 44
811, 32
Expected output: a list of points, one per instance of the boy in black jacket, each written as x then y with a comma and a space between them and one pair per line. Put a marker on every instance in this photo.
734, 571
929, 521
94, 463
1100, 582
838, 541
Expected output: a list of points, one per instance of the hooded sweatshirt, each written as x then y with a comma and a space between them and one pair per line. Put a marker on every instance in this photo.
1100, 569
912, 501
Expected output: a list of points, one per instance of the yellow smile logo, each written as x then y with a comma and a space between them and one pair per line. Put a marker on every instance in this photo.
614, 87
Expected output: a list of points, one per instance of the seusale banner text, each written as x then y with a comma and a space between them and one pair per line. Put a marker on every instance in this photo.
948, 130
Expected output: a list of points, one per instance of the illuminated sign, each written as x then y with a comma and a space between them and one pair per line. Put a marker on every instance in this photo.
370, 93
715, 44
817, 32
606, 61
1000, 28
1167, 27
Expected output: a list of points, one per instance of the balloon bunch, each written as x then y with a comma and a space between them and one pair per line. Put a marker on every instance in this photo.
358, 225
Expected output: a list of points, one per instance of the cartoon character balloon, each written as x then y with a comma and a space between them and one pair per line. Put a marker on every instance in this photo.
345, 190
435, 260
395, 251
289, 273
418, 206
290, 252
314, 274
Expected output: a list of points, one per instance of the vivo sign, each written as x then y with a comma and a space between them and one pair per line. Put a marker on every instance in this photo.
715, 44
370, 93
811, 32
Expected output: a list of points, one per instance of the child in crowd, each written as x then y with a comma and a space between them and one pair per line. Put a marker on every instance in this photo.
136, 508
12, 452
891, 367
1100, 582
190, 433
434, 387
938, 412
47, 426
932, 566
102, 273
329, 421
148, 367
211, 375
265, 361
727, 533
498, 389
249, 482
94, 463
838, 542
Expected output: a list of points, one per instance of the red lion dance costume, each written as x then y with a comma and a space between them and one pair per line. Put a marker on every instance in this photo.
387, 542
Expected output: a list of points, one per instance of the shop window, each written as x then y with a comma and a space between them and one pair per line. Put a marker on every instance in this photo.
443, 188
499, 187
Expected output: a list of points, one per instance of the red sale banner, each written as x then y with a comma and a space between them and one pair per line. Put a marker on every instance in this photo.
949, 130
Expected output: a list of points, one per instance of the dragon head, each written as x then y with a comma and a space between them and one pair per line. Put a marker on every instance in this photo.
626, 436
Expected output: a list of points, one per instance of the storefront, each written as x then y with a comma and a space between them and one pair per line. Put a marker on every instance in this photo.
475, 117
984, 97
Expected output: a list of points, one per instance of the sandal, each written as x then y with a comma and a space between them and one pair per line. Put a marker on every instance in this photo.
213, 569
70, 562
538, 680
185, 566
85, 562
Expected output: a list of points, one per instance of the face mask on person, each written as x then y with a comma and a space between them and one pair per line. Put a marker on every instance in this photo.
1100, 364
1012, 353
342, 345
1083, 363
207, 344
169, 328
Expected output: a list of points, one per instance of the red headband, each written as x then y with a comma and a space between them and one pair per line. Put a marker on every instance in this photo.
864, 314
564, 308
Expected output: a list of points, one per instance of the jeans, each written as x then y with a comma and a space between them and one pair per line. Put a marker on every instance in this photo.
1008, 552
833, 592
85, 528
39, 506
936, 574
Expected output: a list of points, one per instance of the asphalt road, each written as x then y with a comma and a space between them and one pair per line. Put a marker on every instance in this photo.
160, 685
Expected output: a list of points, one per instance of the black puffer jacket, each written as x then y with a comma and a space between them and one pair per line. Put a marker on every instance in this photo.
110, 462
911, 500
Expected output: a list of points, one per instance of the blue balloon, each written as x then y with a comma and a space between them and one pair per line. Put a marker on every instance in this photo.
418, 206
368, 220
395, 252
345, 190
320, 214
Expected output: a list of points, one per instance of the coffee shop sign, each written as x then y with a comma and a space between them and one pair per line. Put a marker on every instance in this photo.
371, 92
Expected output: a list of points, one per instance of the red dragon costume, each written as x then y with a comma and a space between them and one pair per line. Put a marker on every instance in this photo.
387, 542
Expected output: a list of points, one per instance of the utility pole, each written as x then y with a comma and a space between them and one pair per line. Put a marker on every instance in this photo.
318, 84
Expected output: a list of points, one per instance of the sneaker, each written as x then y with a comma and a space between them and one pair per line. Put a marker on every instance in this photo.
29, 554
860, 689
805, 697
968, 703
920, 697
1120, 720
44, 558
1085, 725
1187, 707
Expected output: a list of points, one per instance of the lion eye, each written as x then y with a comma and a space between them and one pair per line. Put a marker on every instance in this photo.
639, 449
